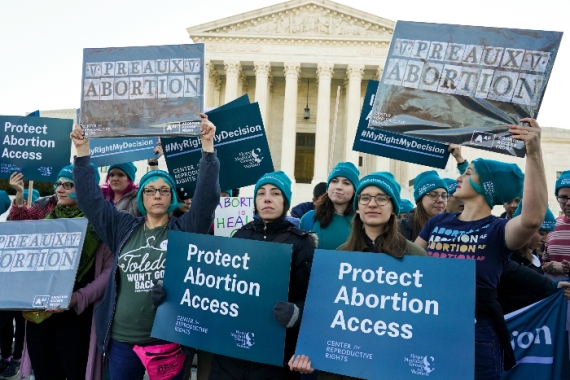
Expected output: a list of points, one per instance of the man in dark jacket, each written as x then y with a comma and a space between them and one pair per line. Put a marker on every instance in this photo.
272, 200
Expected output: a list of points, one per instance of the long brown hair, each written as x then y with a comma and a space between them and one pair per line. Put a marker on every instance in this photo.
391, 241
420, 218
324, 210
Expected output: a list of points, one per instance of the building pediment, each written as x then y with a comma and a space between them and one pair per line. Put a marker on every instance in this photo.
306, 19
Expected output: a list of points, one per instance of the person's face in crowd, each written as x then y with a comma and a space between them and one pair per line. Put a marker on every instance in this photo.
340, 191
464, 189
154, 202
269, 202
185, 205
374, 207
435, 201
511, 206
538, 239
563, 198
118, 180
223, 194
454, 205
403, 215
63, 190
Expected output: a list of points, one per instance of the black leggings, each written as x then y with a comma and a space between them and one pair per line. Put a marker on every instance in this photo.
59, 346
7, 334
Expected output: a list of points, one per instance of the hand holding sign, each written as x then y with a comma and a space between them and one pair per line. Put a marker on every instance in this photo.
208, 130
530, 135
81, 143
301, 364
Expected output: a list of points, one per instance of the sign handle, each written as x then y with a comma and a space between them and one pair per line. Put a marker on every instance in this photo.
30, 192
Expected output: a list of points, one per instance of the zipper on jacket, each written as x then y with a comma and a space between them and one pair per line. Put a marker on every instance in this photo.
264, 231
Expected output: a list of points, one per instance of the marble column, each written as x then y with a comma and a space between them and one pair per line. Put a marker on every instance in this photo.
354, 74
322, 137
262, 71
233, 69
289, 135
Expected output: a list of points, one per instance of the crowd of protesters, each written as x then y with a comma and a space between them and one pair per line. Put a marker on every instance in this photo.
527, 253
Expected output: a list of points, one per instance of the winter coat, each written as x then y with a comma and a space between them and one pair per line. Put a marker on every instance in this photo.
128, 203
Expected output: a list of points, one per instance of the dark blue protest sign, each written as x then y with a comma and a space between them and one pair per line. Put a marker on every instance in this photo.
38, 147
241, 101
464, 84
373, 316
221, 293
382, 142
119, 150
142, 90
538, 337
241, 144
38, 262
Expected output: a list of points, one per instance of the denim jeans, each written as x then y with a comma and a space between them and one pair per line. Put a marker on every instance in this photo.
124, 364
488, 353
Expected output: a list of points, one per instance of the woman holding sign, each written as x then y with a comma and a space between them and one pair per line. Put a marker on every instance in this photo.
126, 314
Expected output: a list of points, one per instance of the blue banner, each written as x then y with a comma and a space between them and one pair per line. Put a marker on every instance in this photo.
373, 316
393, 145
538, 338
38, 147
221, 294
38, 262
110, 151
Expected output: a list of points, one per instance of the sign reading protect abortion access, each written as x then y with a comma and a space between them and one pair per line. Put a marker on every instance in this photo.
369, 314
38, 147
142, 90
38, 267
464, 84
220, 296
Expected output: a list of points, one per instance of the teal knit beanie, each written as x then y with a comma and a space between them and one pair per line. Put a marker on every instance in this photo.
67, 172
152, 176
549, 219
406, 206
451, 185
347, 170
278, 179
384, 181
500, 182
5, 202
35, 195
426, 182
128, 167
562, 181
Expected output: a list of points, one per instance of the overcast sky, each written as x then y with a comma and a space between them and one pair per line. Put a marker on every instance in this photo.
41, 42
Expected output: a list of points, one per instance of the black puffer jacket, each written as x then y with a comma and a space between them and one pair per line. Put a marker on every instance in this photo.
226, 368
407, 226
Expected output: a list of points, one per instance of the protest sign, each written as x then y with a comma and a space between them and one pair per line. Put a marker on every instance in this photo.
538, 336
464, 84
371, 315
38, 267
38, 147
241, 144
393, 145
221, 293
232, 214
119, 150
241, 101
142, 90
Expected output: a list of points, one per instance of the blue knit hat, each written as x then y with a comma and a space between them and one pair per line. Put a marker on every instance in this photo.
67, 172
229, 192
549, 219
128, 167
451, 185
406, 206
562, 181
35, 195
426, 182
347, 170
5, 202
278, 179
152, 176
500, 182
384, 181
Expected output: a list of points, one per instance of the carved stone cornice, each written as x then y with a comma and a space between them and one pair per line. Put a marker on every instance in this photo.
232, 67
262, 68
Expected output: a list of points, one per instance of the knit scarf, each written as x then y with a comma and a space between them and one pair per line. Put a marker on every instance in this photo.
90, 243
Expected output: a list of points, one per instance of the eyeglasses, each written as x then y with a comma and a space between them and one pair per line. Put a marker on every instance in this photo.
562, 200
65, 185
434, 196
152, 192
381, 199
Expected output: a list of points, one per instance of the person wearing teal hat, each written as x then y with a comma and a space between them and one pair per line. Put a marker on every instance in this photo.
557, 253
333, 213
120, 188
35, 195
374, 229
5, 202
430, 195
406, 207
453, 204
478, 235
139, 245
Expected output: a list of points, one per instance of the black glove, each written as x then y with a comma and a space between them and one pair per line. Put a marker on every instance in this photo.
287, 314
157, 293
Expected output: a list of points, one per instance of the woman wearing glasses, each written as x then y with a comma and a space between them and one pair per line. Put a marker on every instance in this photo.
61, 343
125, 316
430, 194
374, 229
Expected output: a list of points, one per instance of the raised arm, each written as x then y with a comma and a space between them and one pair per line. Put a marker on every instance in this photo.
535, 194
